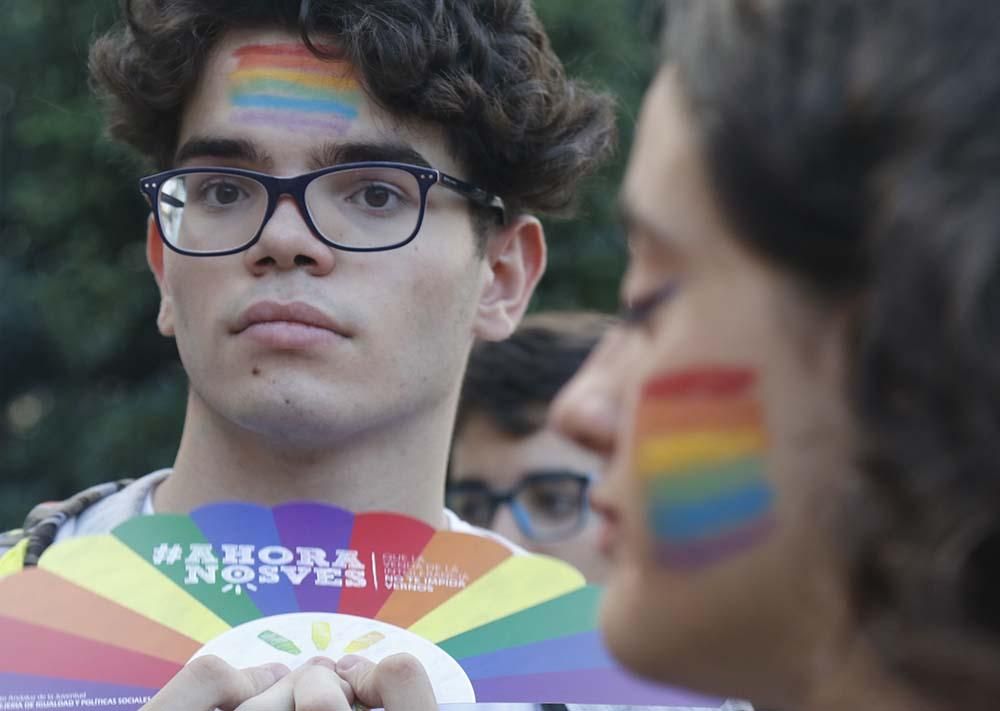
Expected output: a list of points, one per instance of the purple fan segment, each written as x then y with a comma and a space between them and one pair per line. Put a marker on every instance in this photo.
315, 526
46, 692
596, 686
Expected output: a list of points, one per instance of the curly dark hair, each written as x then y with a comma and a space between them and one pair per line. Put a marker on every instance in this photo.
512, 382
856, 143
481, 69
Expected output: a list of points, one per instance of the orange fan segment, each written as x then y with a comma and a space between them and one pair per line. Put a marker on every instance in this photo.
41, 598
443, 569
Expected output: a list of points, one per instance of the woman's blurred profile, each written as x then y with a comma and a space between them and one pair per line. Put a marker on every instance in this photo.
800, 416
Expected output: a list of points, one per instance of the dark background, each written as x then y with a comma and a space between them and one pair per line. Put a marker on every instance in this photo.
89, 391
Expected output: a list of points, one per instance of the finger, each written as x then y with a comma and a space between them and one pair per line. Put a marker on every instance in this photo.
209, 682
332, 666
397, 683
322, 689
314, 686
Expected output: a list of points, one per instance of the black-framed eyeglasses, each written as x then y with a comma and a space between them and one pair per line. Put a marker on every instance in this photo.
369, 206
547, 506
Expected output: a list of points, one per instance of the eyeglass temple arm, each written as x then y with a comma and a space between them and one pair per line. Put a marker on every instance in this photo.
476, 195
171, 200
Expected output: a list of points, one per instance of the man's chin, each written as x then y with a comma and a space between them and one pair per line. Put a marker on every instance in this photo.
284, 426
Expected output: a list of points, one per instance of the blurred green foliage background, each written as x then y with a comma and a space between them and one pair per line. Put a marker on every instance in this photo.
89, 391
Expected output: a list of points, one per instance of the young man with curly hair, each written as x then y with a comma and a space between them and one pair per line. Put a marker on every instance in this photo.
342, 201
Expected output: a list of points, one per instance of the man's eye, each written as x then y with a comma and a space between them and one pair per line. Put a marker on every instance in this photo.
554, 502
226, 194
557, 504
475, 506
222, 193
475, 510
377, 196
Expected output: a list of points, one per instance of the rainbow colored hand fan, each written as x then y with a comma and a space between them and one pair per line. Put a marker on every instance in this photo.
105, 621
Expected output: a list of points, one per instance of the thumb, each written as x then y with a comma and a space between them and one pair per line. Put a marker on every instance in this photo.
397, 683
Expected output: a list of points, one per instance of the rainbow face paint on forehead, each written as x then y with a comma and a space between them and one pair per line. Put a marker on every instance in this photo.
286, 86
699, 446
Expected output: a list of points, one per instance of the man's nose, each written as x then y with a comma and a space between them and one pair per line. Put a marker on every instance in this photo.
286, 242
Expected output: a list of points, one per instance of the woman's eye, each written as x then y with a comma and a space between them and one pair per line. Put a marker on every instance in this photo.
640, 312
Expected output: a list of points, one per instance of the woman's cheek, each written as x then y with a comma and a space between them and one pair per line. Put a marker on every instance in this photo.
697, 457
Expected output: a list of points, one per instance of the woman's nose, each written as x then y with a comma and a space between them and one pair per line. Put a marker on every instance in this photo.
587, 408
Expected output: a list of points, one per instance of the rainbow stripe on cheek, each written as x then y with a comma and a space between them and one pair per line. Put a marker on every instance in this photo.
699, 453
285, 86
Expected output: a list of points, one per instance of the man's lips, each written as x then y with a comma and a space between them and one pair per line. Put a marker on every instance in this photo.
293, 325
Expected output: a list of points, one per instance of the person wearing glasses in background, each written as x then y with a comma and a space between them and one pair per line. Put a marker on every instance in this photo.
510, 471
342, 202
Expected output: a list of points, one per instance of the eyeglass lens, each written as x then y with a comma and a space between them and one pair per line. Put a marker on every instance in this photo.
360, 207
553, 505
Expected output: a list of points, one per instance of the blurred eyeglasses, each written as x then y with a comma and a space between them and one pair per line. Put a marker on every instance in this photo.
548, 506
359, 207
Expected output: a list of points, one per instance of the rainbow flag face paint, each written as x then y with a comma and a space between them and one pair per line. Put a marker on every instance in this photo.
285, 86
699, 445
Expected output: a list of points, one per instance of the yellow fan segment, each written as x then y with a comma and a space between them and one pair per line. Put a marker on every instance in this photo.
13, 560
106, 566
517, 583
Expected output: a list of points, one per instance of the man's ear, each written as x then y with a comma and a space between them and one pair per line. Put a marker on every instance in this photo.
154, 257
515, 261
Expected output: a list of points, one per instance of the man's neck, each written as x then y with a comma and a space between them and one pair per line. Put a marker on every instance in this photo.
399, 468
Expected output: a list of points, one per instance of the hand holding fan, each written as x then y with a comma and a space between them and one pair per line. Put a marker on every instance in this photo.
105, 621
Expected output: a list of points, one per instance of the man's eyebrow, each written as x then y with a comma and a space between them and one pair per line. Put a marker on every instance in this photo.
333, 153
224, 148
358, 151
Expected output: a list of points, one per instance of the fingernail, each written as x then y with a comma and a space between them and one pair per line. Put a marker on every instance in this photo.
348, 662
